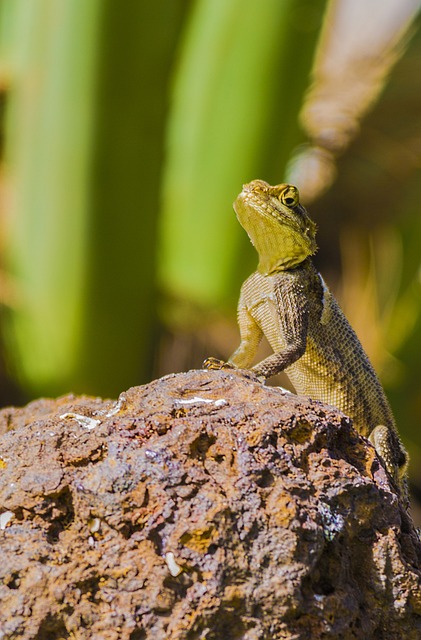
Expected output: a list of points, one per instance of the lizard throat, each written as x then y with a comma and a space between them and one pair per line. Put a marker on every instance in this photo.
281, 245
279, 252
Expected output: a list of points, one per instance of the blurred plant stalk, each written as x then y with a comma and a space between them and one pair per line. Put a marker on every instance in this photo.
84, 146
243, 71
360, 44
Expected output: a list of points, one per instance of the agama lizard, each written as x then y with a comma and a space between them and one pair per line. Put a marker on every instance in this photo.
287, 300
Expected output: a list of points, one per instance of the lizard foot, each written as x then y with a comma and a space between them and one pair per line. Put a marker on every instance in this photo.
215, 363
394, 456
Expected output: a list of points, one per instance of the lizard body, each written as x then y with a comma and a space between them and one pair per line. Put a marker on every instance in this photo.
287, 301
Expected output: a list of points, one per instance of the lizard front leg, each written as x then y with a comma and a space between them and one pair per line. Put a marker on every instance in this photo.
243, 357
251, 335
292, 315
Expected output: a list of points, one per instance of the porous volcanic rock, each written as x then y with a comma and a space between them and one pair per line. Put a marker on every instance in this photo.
202, 505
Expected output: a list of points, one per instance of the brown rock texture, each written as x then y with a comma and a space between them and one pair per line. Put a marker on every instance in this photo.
201, 506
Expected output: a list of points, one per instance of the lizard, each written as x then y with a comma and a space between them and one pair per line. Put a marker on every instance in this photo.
287, 301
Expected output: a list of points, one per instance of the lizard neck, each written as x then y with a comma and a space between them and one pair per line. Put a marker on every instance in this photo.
270, 264
279, 251
280, 246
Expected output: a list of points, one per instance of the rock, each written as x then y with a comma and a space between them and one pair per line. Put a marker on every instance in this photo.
202, 505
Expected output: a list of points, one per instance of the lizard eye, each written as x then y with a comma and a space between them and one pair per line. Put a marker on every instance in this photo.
290, 196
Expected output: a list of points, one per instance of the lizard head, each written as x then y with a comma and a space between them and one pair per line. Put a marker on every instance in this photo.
277, 225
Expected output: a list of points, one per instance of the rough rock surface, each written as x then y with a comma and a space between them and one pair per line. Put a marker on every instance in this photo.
203, 505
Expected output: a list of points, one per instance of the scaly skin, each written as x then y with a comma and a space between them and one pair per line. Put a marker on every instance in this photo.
287, 300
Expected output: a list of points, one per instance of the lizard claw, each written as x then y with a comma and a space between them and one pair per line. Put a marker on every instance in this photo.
215, 363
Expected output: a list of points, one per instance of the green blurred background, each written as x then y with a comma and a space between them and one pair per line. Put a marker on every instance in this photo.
127, 130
